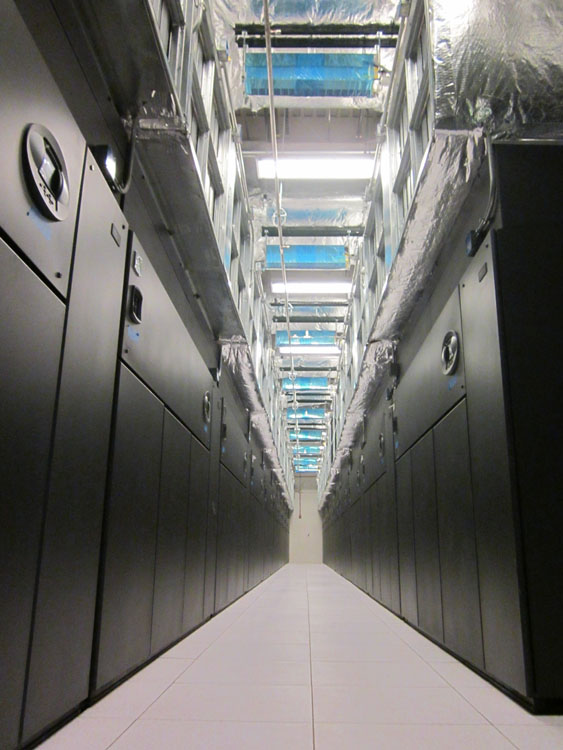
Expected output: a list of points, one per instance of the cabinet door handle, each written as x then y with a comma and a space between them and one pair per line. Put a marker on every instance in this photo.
450, 352
207, 407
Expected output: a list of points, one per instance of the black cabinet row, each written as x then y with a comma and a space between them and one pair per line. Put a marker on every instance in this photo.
456, 523
127, 512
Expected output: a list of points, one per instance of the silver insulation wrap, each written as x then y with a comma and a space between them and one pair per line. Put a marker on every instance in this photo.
236, 357
451, 166
498, 64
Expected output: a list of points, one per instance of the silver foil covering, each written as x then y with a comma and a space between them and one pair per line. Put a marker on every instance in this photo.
446, 177
236, 357
498, 64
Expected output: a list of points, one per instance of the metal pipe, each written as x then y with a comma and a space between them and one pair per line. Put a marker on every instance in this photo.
277, 186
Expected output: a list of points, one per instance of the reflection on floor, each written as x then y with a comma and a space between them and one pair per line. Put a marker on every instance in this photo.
305, 661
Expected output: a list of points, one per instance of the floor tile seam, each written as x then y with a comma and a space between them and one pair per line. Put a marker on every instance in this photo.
169, 720
311, 685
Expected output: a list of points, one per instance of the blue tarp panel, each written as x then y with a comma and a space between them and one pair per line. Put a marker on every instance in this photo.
305, 384
311, 74
306, 435
307, 256
307, 338
307, 450
306, 414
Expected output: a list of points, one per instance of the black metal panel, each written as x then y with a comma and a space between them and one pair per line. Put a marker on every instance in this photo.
212, 507
376, 449
405, 520
31, 330
66, 594
529, 268
235, 449
456, 530
224, 536
197, 536
520, 165
126, 590
490, 473
428, 588
30, 95
373, 543
170, 563
162, 352
425, 393
389, 554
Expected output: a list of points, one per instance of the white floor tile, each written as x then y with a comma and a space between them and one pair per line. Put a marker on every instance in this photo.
499, 709
385, 737
252, 703
393, 706
128, 700
224, 735
539, 737
243, 682
87, 734
235, 671
375, 674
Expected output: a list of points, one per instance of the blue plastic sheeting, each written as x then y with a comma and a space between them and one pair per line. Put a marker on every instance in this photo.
306, 414
307, 338
311, 74
305, 384
307, 450
306, 435
308, 256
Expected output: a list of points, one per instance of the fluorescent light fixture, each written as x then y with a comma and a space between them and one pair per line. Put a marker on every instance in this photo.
311, 288
317, 168
300, 349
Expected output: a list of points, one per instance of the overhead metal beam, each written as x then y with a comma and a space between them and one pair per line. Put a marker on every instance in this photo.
324, 29
320, 42
309, 319
308, 230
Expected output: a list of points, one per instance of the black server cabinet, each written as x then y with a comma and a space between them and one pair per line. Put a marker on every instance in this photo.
128, 563
42, 155
374, 541
170, 563
158, 347
405, 522
456, 531
212, 507
66, 590
224, 536
31, 331
197, 537
433, 381
427, 550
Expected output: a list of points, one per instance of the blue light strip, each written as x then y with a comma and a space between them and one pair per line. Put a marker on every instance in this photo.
305, 384
307, 338
311, 74
308, 256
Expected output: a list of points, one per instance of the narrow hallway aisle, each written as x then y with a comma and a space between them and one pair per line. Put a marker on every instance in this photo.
303, 661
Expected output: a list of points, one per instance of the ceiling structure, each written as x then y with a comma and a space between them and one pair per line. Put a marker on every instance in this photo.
330, 72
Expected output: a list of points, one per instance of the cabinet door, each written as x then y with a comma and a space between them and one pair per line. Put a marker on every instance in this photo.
458, 558
126, 594
224, 534
68, 575
197, 532
427, 553
405, 522
390, 594
490, 474
375, 542
175, 479
31, 328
